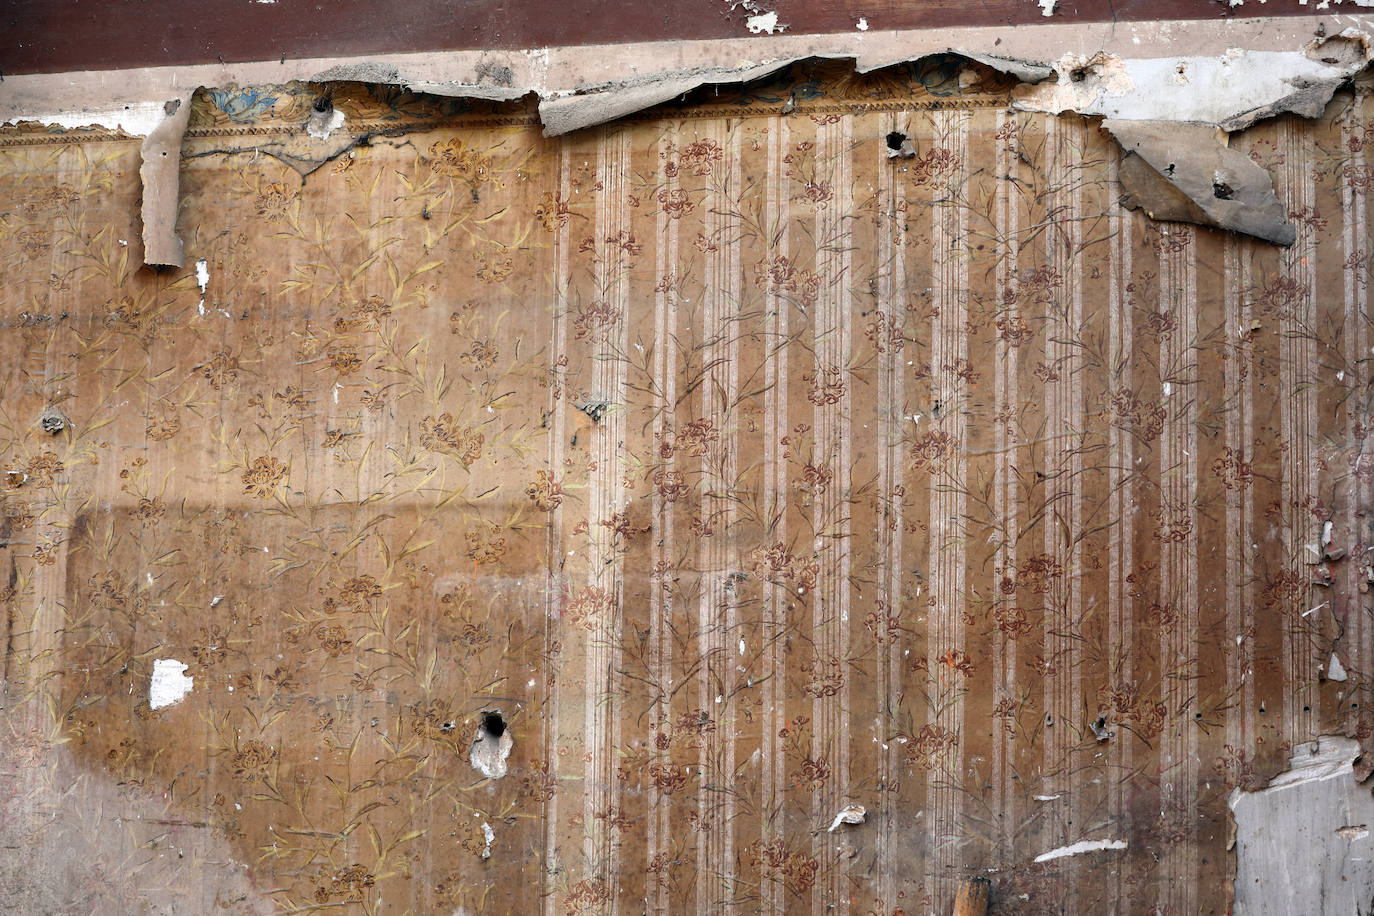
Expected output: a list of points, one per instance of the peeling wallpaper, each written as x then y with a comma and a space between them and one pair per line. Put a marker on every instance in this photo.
744, 472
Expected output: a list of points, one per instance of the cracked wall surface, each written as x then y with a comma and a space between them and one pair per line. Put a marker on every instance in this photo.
752, 476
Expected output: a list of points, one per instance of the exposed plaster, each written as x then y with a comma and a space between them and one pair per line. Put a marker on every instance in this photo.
324, 123
1303, 843
488, 837
1079, 848
491, 746
203, 280
1229, 74
1232, 90
169, 684
766, 23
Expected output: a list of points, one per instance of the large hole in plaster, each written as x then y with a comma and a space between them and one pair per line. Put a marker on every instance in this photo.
491, 746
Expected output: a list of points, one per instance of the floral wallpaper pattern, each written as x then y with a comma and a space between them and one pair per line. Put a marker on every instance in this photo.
745, 471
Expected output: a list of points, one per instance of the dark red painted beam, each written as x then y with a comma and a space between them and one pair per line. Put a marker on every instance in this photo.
48, 36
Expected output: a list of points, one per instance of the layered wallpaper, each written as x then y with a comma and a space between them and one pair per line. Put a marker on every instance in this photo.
581, 525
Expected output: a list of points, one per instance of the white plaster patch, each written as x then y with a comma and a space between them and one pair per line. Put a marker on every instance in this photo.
1306, 835
169, 684
489, 752
489, 836
1240, 89
321, 129
1047, 7
1081, 846
202, 280
764, 22
136, 118
1335, 671
862, 24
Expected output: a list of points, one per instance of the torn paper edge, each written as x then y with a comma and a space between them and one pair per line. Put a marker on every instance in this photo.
160, 173
638, 76
849, 814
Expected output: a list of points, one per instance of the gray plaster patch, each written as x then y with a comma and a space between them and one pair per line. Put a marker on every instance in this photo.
1303, 844
491, 746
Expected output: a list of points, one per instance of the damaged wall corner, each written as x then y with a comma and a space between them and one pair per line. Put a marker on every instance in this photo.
1304, 841
160, 174
1183, 172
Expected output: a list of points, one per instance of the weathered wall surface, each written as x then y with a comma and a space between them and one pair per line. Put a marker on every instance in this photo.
58, 36
748, 474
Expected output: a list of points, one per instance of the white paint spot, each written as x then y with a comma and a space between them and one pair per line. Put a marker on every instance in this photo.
202, 280
764, 22
169, 684
1047, 6
489, 836
1046, 797
1080, 847
862, 24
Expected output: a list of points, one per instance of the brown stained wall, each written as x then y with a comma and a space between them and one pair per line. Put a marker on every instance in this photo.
748, 473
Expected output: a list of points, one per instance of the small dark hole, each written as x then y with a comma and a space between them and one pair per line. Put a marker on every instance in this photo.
1197, 715
895, 139
447, 726
322, 104
1222, 190
1078, 75
493, 724
1307, 709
